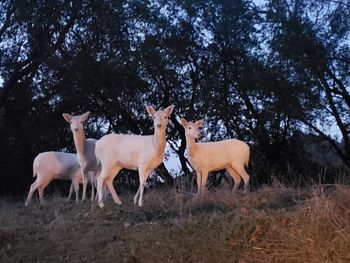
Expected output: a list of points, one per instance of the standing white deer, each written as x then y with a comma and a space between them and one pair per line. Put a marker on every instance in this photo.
48, 166
85, 150
232, 155
134, 152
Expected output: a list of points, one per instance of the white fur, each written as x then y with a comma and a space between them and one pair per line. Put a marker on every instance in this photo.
232, 155
85, 150
134, 152
48, 166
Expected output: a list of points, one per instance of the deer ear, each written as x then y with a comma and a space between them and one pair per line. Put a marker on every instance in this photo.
169, 110
67, 117
183, 122
199, 123
85, 116
151, 111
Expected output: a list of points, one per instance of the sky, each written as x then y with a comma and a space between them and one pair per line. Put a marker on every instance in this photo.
259, 2
172, 162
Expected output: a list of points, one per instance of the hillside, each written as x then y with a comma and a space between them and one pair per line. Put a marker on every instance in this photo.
275, 224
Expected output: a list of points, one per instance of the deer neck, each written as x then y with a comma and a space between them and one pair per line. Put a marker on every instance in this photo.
159, 140
191, 146
79, 141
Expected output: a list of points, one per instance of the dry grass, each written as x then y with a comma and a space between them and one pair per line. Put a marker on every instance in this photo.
273, 224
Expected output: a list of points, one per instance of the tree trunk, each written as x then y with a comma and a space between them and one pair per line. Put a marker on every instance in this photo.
163, 172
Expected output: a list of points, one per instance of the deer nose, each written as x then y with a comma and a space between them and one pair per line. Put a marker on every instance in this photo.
76, 129
159, 125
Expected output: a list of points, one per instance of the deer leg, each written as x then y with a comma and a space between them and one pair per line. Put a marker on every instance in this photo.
70, 192
199, 182
85, 181
143, 175
76, 190
107, 176
236, 178
33, 187
109, 183
245, 177
204, 178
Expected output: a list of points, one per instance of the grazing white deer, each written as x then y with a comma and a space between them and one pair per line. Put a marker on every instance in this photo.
232, 155
134, 152
48, 166
85, 150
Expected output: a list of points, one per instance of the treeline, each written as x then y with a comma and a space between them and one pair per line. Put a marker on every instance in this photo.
266, 74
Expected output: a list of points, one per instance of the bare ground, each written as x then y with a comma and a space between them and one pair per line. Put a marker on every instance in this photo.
273, 224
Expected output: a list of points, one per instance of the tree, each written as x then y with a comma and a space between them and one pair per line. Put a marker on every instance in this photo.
314, 46
260, 74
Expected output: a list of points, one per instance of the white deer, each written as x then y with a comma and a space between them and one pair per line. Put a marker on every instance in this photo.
134, 152
232, 155
85, 150
48, 166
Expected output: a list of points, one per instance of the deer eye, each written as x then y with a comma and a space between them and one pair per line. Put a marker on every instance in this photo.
189, 128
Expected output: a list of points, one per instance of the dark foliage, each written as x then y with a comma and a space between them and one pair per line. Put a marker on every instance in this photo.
268, 75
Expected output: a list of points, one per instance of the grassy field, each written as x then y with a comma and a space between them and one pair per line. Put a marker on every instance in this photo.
272, 224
